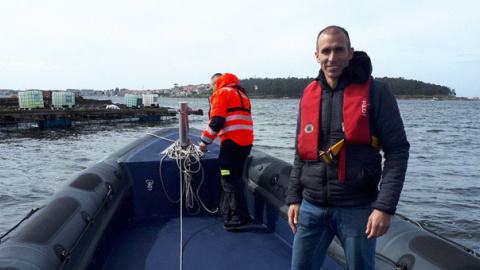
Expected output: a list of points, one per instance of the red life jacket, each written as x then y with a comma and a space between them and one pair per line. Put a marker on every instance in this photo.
355, 116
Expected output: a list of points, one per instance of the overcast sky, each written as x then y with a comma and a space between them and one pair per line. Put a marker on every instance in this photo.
152, 44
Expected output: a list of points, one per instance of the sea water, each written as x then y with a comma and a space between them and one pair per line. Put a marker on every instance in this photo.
441, 191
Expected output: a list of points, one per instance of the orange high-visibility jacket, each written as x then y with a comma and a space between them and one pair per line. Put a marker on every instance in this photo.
230, 116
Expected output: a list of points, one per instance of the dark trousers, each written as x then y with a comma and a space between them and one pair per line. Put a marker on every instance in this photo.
233, 205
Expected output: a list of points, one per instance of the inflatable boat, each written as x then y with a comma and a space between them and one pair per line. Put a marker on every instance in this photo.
153, 205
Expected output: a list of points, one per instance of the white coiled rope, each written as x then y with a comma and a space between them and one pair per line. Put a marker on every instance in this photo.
188, 162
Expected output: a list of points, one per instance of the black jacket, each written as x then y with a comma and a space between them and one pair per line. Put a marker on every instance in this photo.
317, 182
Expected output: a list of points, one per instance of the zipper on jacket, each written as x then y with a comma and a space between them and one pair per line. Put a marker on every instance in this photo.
327, 142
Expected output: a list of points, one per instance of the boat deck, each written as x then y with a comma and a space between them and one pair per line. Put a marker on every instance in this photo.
206, 245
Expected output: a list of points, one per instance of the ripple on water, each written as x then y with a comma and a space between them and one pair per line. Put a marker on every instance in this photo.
441, 189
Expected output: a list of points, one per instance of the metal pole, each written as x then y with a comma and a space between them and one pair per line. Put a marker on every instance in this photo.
183, 125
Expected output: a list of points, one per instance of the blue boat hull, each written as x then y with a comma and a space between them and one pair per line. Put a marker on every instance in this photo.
124, 213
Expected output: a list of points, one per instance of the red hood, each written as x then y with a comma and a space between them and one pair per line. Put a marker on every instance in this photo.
226, 79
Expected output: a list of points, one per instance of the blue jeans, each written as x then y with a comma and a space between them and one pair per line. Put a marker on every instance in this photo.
315, 231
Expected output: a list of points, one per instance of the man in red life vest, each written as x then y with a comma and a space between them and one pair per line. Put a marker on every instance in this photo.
231, 120
338, 186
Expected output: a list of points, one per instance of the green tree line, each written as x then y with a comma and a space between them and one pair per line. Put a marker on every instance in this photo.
292, 87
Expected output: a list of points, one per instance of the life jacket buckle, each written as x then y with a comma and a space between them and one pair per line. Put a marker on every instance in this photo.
325, 156
329, 155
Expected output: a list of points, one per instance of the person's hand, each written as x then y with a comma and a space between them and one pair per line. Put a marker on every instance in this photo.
378, 224
293, 211
203, 147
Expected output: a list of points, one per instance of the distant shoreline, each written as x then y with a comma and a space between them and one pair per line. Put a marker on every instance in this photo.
260, 97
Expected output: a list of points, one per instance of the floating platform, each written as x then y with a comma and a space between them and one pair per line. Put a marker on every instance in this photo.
45, 118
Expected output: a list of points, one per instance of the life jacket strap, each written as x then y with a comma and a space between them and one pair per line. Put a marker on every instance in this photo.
376, 143
327, 156
332, 152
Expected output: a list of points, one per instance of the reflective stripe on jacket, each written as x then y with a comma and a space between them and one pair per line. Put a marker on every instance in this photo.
234, 106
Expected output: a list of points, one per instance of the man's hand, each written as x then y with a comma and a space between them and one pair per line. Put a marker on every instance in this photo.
293, 211
378, 224
203, 147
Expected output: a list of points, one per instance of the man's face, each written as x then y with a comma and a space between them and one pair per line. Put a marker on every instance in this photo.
213, 83
333, 54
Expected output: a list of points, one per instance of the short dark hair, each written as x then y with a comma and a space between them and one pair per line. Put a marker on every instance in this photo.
216, 75
333, 30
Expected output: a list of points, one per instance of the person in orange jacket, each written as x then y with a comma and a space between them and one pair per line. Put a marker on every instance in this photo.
231, 120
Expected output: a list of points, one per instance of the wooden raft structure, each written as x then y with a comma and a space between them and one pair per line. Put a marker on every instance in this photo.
59, 117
